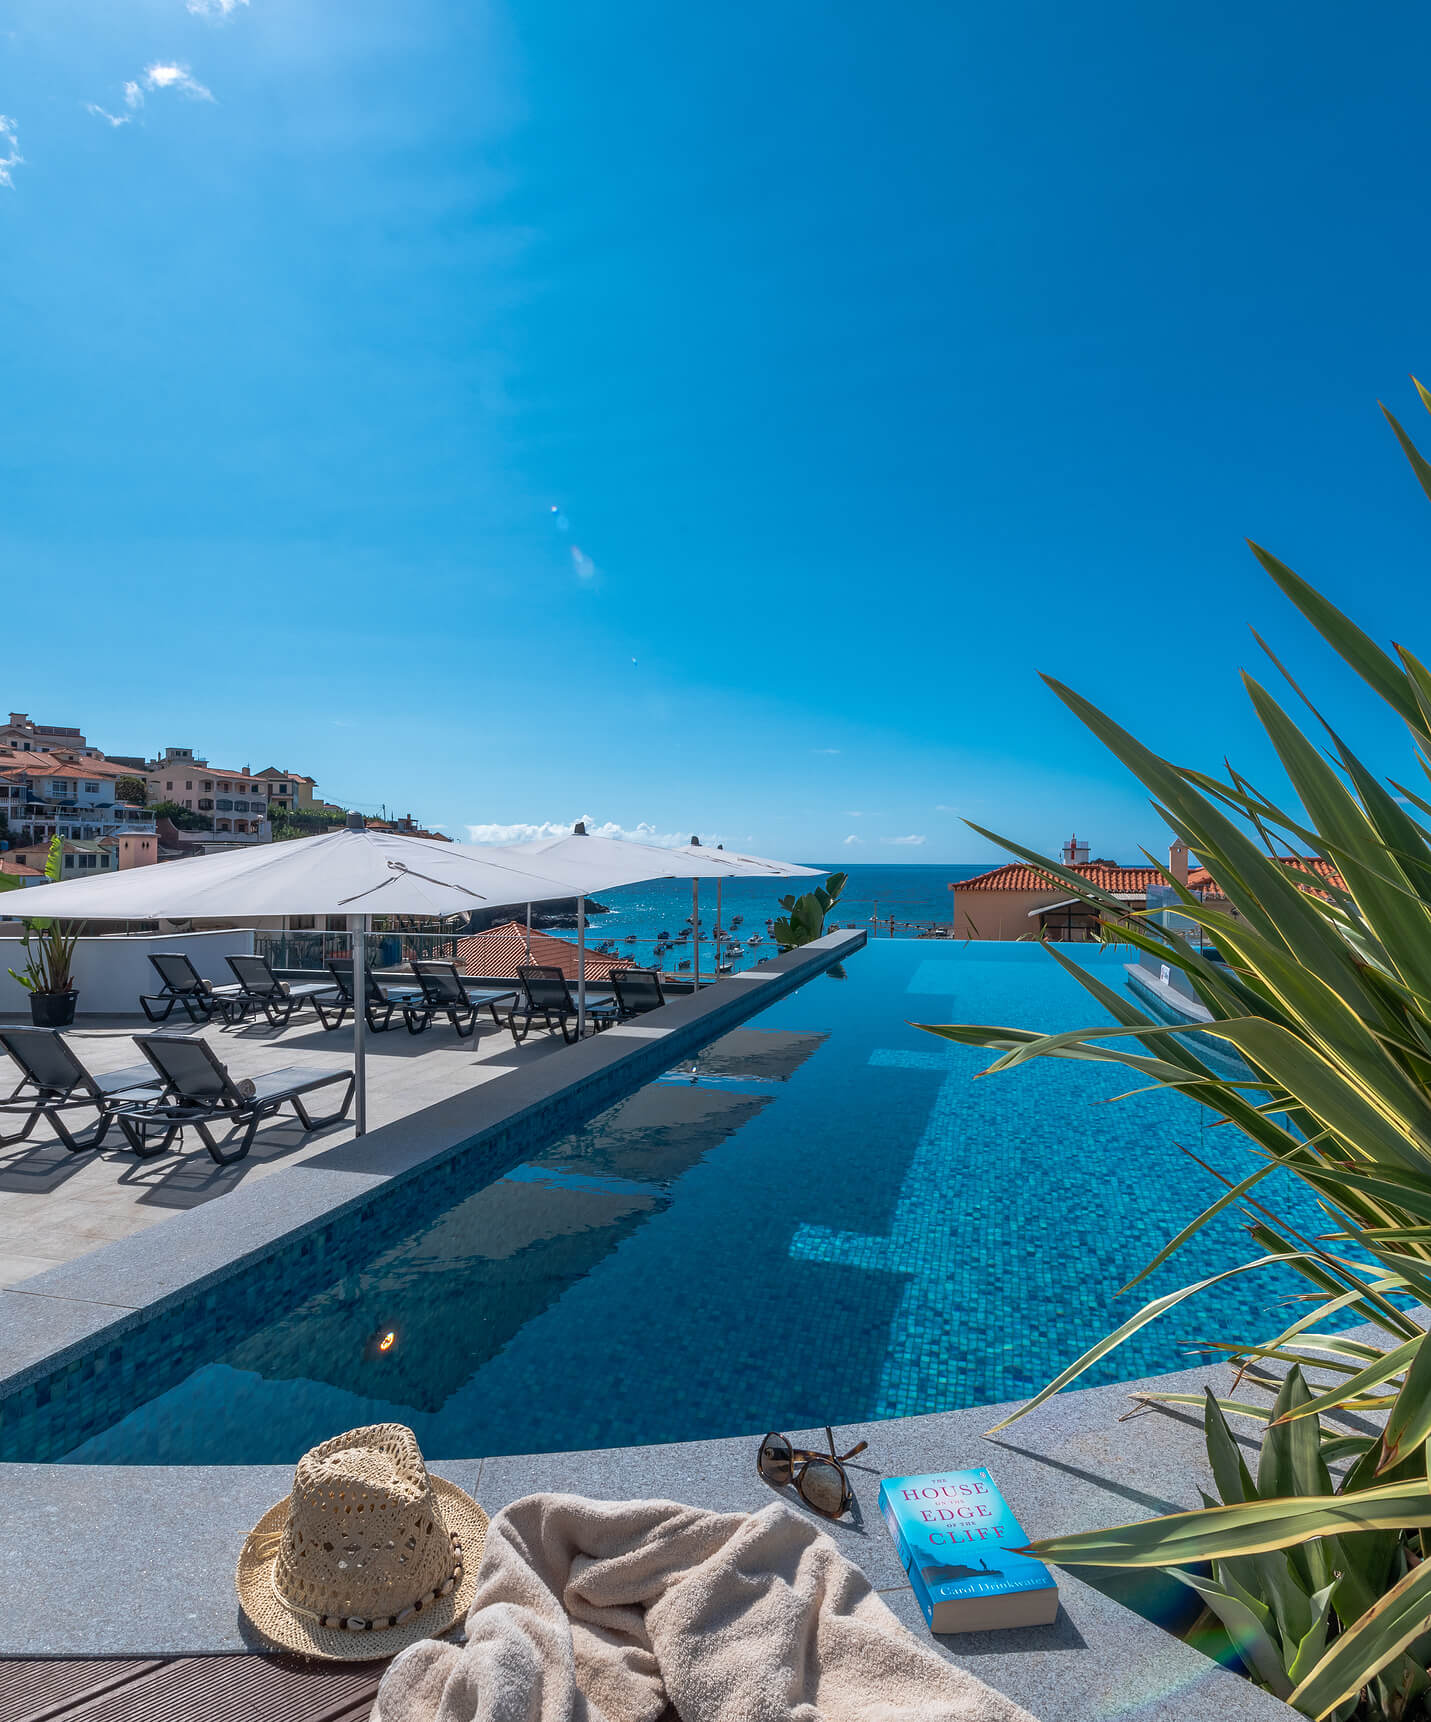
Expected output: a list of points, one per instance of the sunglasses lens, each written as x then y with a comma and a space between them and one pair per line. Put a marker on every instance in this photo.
823, 1487
775, 1461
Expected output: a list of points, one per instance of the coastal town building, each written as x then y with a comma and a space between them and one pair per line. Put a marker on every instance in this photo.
1020, 901
26, 737
235, 799
62, 791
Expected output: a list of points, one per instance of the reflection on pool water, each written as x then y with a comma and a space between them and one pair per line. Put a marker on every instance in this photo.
823, 1218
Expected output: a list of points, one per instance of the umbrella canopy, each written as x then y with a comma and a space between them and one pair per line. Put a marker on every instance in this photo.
340, 873
749, 866
353, 872
593, 864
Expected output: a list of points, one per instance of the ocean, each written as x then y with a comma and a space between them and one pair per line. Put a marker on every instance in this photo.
910, 896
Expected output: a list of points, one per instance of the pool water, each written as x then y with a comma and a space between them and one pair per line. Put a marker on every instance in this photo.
825, 1217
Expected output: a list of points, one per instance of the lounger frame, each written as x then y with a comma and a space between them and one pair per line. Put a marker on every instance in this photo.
200, 1092
59, 1083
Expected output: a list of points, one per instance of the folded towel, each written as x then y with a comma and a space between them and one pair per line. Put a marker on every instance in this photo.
647, 1611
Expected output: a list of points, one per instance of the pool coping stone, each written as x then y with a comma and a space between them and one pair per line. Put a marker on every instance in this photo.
165, 1539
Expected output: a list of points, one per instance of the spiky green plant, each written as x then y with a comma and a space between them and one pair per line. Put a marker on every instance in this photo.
804, 917
1323, 986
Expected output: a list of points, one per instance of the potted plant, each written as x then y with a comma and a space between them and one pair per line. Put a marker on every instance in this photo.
49, 947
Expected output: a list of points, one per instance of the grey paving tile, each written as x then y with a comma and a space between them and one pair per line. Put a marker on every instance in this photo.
1098, 1661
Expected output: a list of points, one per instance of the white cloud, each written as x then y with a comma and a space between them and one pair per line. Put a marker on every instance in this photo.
585, 567
133, 95
213, 8
853, 839
10, 143
829, 750
104, 114
528, 832
941, 808
170, 75
911, 842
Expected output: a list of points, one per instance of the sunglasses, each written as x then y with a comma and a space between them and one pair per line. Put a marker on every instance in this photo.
819, 1478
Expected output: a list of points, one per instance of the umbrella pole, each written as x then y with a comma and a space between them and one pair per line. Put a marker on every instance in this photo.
580, 967
529, 932
360, 1026
696, 933
719, 883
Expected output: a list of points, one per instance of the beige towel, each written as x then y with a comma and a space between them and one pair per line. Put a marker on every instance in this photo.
646, 1611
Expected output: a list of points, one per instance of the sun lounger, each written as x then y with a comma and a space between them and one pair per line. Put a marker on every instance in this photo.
186, 987
637, 991
382, 1001
446, 993
57, 1082
545, 995
200, 1091
259, 987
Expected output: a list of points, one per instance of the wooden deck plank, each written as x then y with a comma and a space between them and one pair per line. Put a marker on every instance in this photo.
187, 1689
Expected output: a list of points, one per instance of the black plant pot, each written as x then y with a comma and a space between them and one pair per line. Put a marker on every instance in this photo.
52, 1010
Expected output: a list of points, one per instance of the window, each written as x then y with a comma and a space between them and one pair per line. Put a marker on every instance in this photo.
88, 860
69, 860
91, 789
189, 804
168, 786
206, 803
188, 784
224, 806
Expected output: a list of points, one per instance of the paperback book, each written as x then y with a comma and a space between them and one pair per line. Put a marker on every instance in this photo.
956, 1540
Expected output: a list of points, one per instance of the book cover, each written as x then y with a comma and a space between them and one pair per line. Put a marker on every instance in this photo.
956, 1539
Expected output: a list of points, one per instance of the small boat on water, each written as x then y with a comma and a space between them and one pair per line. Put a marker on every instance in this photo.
630, 939
754, 939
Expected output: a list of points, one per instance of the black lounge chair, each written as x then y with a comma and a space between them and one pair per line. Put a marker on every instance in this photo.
260, 987
186, 987
446, 993
58, 1083
200, 1091
333, 1011
637, 991
546, 995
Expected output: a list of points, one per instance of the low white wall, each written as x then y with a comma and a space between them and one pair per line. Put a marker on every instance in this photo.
112, 969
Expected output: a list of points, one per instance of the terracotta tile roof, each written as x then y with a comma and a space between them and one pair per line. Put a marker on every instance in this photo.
38, 764
8, 864
1016, 876
1199, 879
496, 954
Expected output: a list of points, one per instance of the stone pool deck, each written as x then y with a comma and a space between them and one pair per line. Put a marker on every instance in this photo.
139, 1561
55, 1206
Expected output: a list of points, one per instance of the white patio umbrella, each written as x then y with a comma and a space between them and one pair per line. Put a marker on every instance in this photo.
354, 872
593, 864
752, 866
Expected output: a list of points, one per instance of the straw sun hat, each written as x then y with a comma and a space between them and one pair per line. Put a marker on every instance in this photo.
367, 1555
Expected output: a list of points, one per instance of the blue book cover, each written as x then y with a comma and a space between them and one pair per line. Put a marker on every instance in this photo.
956, 1539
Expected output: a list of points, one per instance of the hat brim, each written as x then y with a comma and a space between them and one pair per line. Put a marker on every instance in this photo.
290, 1631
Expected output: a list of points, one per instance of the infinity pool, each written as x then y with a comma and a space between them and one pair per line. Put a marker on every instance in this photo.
823, 1218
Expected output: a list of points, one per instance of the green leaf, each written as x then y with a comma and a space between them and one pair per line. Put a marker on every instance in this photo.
1246, 1624
1212, 1533
1359, 650
1380, 1635
1408, 1423
1134, 1324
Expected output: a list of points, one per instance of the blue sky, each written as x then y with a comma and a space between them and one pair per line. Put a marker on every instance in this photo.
708, 419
